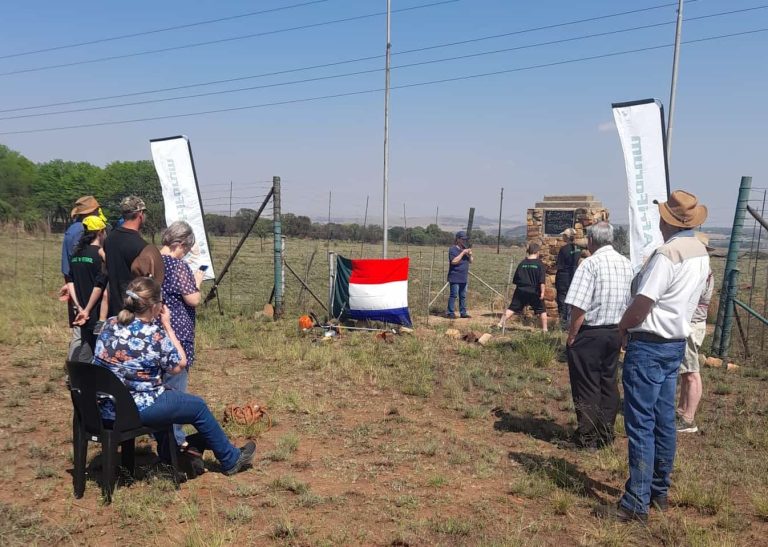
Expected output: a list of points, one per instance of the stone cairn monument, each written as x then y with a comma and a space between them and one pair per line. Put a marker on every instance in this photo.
547, 220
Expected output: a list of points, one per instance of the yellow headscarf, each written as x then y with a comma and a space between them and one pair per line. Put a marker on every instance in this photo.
94, 223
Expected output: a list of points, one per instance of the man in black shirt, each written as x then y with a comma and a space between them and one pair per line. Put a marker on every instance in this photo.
530, 278
567, 262
128, 255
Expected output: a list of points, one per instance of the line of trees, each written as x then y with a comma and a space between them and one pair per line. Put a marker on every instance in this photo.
42, 194
45, 193
302, 227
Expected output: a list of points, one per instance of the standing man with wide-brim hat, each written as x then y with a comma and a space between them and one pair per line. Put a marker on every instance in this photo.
657, 323
84, 207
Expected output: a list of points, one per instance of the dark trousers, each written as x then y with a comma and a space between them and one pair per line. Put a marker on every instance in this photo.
562, 284
592, 362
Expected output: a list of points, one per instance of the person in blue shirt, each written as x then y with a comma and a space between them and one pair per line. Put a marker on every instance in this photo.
84, 206
459, 259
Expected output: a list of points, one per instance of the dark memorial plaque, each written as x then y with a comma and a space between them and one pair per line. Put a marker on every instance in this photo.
558, 220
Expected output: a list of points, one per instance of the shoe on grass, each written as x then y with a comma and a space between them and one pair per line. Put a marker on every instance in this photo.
245, 460
466, 316
684, 426
660, 503
619, 514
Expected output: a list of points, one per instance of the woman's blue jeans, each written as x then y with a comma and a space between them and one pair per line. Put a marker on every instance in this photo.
178, 382
650, 379
175, 407
458, 290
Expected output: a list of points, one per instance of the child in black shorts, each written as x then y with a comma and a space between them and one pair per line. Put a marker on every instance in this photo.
529, 280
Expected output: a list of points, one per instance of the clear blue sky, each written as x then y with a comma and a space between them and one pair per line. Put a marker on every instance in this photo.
533, 132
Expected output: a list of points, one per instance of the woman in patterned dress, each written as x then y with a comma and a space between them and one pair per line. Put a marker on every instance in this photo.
181, 293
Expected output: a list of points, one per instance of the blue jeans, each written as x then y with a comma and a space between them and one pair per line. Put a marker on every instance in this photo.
650, 379
178, 382
460, 290
175, 407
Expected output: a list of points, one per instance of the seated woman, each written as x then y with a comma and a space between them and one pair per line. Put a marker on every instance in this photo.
139, 346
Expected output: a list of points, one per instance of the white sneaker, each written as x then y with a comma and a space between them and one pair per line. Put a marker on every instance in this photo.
684, 426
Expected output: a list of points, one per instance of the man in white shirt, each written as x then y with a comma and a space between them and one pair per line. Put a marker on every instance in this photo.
664, 295
598, 296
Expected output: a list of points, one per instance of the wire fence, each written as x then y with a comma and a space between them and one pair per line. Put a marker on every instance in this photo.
750, 339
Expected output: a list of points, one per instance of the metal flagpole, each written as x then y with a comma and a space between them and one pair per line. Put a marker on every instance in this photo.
498, 238
673, 89
386, 133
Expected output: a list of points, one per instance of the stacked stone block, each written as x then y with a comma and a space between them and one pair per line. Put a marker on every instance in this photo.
587, 211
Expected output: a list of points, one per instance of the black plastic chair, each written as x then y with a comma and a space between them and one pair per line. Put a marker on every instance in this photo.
89, 384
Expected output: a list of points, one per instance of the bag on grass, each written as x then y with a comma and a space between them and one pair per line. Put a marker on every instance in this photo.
247, 414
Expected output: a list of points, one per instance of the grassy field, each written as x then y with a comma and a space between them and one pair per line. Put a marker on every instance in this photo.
427, 440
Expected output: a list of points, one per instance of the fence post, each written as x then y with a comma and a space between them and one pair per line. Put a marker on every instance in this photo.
331, 282
278, 234
732, 288
721, 338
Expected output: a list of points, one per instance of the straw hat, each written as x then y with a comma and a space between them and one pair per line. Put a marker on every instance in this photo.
682, 210
84, 205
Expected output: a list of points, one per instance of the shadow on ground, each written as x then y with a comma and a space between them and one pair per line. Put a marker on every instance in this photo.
538, 428
564, 475
147, 467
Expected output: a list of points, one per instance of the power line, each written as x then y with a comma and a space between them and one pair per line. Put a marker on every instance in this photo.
370, 71
159, 30
224, 40
241, 184
378, 90
347, 61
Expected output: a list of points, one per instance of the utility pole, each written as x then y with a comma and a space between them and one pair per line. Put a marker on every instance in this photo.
365, 223
328, 245
673, 89
498, 238
385, 223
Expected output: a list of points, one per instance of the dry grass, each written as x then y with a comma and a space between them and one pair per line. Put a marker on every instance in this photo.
426, 440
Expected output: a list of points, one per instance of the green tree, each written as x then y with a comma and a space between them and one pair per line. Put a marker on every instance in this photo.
59, 183
17, 176
138, 178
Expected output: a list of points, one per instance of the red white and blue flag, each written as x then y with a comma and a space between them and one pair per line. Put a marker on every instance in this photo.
372, 289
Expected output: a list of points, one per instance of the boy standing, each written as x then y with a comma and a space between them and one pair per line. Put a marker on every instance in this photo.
529, 280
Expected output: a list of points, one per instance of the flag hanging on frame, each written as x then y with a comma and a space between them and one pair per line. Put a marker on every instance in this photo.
372, 289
